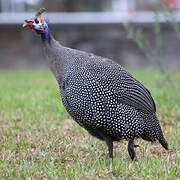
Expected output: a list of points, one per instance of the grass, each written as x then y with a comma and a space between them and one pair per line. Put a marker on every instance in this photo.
39, 140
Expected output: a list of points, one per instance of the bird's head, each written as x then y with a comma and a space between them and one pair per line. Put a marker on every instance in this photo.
38, 24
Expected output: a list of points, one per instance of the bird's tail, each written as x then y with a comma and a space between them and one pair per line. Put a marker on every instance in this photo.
160, 136
154, 132
164, 143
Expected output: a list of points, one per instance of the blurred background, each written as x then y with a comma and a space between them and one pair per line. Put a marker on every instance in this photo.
133, 33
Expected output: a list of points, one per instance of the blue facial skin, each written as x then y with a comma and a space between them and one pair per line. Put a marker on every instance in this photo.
38, 25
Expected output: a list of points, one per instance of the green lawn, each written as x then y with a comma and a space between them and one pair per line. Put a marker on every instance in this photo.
39, 140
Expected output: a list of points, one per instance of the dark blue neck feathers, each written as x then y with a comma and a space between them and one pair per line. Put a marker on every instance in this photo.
46, 34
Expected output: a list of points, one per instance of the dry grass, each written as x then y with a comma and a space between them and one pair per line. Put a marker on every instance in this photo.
38, 140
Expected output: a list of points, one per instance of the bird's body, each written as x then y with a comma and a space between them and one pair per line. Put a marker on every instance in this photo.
102, 97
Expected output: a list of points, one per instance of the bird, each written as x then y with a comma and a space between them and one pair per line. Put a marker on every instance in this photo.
99, 94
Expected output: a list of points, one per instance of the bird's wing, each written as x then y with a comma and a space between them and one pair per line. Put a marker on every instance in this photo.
129, 91
121, 84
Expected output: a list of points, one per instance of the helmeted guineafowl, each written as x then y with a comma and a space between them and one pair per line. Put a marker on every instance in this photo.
100, 95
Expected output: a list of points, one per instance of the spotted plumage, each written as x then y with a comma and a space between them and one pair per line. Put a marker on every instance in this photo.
102, 97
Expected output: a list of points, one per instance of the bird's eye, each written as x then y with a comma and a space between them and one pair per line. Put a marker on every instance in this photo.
36, 21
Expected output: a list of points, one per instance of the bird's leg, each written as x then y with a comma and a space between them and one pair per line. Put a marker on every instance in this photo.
131, 151
109, 143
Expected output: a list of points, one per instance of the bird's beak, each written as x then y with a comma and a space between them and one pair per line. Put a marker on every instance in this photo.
28, 23
24, 25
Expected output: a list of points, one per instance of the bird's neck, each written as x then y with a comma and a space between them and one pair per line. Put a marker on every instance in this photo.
55, 53
45, 36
